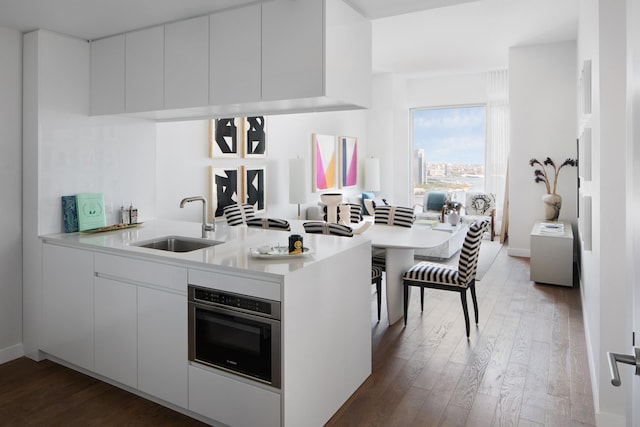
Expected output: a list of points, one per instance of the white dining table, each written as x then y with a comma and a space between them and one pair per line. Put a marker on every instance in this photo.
400, 244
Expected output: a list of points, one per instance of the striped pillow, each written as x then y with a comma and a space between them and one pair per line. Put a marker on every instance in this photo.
318, 227
271, 223
238, 214
394, 215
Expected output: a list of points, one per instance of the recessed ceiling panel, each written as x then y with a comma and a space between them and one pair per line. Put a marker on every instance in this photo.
374, 9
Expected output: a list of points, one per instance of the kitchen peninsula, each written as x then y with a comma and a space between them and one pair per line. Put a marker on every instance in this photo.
118, 312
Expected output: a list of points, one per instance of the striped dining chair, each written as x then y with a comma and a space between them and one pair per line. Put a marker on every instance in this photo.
238, 214
269, 223
400, 216
320, 227
439, 276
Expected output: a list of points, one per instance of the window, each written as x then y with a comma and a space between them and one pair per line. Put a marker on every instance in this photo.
448, 150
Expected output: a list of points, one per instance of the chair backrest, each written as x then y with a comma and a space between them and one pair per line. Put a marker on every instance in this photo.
239, 213
435, 200
394, 215
468, 263
319, 227
478, 203
270, 223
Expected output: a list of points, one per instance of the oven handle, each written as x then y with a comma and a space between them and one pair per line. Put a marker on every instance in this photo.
244, 314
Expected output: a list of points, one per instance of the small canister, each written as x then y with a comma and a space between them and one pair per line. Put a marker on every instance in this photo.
295, 244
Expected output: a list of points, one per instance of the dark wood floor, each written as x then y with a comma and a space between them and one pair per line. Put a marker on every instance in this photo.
525, 365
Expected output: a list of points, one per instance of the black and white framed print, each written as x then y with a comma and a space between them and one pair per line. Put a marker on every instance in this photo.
224, 188
255, 187
224, 137
254, 137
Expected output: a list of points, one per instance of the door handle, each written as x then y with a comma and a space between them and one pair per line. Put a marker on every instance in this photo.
614, 358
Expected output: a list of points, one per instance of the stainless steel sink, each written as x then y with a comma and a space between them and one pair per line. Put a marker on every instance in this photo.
177, 244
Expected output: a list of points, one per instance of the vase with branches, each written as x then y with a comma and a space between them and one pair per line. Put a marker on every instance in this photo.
549, 177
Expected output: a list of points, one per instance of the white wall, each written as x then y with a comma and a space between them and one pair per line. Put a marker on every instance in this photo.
542, 99
10, 194
183, 162
68, 152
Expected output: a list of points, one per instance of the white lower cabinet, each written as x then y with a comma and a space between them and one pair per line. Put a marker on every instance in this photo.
67, 307
230, 401
162, 345
116, 335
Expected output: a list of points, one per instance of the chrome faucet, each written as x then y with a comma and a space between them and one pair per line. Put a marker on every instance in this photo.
205, 225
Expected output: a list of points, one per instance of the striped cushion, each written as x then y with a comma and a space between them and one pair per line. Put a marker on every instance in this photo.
319, 227
467, 265
238, 214
355, 214
271, 223
376, 272
394, 215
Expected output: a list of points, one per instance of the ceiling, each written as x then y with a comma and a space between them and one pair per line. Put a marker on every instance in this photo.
421, 37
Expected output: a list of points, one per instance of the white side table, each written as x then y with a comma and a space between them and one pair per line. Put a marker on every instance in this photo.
552, 255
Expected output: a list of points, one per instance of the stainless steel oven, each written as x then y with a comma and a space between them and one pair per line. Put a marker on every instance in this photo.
236, 333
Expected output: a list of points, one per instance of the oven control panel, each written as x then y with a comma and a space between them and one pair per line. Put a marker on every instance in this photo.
235, 301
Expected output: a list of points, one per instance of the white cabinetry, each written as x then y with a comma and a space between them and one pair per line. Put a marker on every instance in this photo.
107, 75
292, 49
116, 337
186, 63
67, 295
552, 255
144, 70
235, 67
162, 345
231, 401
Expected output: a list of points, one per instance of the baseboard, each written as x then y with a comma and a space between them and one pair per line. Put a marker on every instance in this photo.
10, 353
606, 419
524, 253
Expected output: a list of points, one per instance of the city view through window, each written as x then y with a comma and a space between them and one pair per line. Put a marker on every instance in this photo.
448, 151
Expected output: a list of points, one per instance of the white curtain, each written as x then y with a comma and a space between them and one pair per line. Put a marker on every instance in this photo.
497, 150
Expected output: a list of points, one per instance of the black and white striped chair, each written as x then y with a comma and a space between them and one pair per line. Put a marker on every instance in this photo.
438, 276
390, 215
238, 214
269, 223
319, 227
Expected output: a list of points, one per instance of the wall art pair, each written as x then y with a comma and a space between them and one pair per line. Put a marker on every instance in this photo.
238, 137
329, 159
237, 184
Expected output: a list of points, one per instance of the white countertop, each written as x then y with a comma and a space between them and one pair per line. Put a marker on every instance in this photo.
232, 254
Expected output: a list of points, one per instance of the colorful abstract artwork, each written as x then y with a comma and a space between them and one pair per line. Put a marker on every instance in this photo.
254, 131
254, 187
224, 137
348, 165
224, 188
324, 162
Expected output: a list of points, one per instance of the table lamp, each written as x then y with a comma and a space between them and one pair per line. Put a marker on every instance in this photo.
372, 174
297, 182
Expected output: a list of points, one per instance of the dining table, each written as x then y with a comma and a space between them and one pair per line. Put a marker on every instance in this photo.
400, 244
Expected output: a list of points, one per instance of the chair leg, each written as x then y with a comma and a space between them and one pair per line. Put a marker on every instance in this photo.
421, 298
406, 302
463, 298
472, 286
379, 295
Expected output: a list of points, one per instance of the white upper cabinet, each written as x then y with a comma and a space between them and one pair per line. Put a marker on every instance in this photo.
144, 70
292, 49
107, 75
235, 61
186, 63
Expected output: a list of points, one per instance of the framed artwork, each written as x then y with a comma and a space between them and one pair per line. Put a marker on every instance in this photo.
348, 161
254, 186
584, 155
224, 138
224, 188
323, 162
254, 137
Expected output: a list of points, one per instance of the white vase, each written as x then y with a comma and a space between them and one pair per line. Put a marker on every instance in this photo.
332, 200
453, 218
552, 205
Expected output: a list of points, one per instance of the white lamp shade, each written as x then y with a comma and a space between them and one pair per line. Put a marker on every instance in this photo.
372, 174
297, 181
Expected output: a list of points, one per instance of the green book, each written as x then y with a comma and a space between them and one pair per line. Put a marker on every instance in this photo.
90, 208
